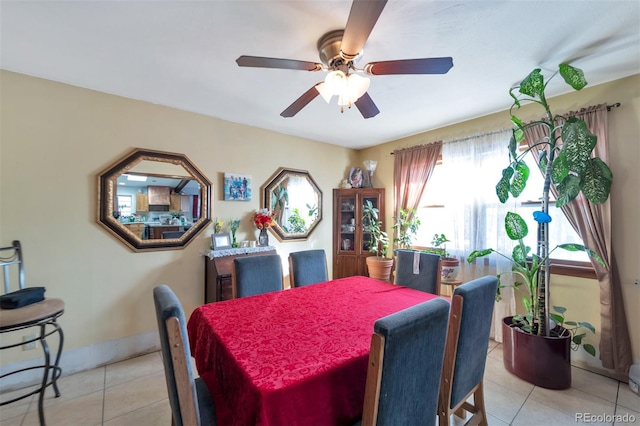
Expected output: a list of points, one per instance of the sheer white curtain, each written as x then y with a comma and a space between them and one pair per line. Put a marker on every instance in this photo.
473, 166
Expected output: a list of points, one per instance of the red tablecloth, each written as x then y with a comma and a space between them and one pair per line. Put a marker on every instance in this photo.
296, 356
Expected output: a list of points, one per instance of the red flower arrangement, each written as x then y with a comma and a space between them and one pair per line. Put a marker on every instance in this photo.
263, 218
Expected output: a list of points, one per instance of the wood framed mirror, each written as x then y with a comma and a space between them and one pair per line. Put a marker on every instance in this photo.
154, 200
296, 200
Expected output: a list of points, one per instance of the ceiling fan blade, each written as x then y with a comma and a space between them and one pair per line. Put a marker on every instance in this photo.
410, 66
366, 106
363, 16
290, 64
301, 102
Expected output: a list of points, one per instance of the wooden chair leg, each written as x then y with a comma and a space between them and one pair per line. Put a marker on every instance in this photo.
461, 412
478, 402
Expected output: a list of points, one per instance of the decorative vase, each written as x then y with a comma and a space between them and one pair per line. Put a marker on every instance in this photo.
450, 268
263, 238
540, 360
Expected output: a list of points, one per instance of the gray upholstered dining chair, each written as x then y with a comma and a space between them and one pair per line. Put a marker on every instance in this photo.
256, 275
405, 364
307, 267
189, 397
420, 271
466, 351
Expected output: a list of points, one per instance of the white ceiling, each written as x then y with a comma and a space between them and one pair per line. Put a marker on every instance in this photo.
182, 54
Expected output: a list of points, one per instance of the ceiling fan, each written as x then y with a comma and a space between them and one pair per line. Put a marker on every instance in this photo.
339, 51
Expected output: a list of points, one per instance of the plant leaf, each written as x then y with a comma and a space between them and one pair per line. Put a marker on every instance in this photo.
572, 247
533, 84
574, 77
560, 309
596, 181
580, 247
478, 253
571, 323
568, 189
577, 144
577, 338
519, 181
515, 226
557, 318
590, 349
519, 255
587, 325
513, 143
560, 169
502, 188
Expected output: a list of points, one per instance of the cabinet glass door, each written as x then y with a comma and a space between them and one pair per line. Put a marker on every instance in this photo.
347, 224
366, 236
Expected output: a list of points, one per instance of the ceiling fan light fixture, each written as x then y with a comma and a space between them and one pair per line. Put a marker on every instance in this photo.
324, 91
335, 82
357, 86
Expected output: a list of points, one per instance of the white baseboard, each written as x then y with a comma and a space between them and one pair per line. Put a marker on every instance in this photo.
81, 359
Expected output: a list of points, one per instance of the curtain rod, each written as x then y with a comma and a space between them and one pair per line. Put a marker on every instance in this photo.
609, 107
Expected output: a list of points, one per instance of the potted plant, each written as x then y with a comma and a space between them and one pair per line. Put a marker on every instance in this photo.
406, 228
537, 345
450, 266
379, 266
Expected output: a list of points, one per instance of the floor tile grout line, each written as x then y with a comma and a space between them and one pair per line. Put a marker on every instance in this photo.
522, 406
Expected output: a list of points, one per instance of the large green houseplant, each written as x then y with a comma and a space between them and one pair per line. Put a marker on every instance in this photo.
405, 227
567, 164
379, 266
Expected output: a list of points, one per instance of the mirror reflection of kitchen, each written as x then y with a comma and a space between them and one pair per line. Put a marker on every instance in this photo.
157, 200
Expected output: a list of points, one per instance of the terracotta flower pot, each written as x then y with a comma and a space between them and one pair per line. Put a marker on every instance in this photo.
541, 360
379, 268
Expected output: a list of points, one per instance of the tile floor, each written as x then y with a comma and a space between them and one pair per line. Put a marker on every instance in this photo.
133, 393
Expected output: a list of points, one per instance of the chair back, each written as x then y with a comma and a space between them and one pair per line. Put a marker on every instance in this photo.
256, 275
12, 266
190, 401
420, 271
307, 267
467, 344
405, 364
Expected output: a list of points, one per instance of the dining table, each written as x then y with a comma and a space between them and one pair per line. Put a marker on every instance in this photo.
293, 357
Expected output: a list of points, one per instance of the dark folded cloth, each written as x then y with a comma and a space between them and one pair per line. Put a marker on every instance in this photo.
23, 297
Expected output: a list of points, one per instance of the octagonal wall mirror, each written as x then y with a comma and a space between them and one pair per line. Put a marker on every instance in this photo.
296, 201
153, 200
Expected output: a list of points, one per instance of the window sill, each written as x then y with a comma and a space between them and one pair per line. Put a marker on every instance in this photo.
573, 268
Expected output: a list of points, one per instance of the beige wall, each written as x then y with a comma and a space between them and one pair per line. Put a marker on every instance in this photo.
55, 138
580, 296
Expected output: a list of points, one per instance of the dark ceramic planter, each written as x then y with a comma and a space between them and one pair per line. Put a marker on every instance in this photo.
543, 361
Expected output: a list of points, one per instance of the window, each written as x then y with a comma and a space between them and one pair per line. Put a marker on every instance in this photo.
460, 201
560, 230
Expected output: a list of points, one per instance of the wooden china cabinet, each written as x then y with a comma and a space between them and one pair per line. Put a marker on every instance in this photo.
350, 242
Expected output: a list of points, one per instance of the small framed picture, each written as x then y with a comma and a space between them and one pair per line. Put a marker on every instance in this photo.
221, 241
237, 187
